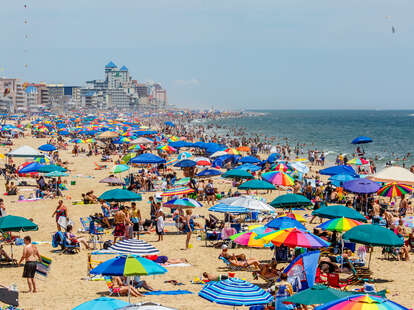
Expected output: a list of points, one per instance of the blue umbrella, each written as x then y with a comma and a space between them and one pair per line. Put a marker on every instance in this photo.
285, 222
273, 157
209, 173
342, 169
249, 167
47, 148
249, 160
147, 158
235, 292
223, 208
103, 303
362, 140
32, 167
361, 186
185, 163
340, 179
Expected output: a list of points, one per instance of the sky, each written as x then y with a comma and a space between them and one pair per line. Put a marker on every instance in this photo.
226, 54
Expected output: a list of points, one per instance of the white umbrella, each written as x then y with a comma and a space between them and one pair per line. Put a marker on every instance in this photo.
218, 153
300, 167
141, 140
248, 202
146, 306
394, 174
134, 247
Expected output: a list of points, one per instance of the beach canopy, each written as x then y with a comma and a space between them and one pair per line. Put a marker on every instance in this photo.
120, 195
47, 148
335, 211
362, 302
373, 235
223, 208
102, 303
340, 224
342, 169
25, 151
285, 222
147, 158
238, 173
146, 306
362, 140
317, 295
291, 201
247, 202
361, 186
394, 174
235, 292
134, 247
256, 184
16, 224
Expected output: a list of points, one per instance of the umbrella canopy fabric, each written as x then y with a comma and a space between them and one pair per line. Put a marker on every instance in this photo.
300, 167
361, 186
362, 302
47, 148
373, 235
238, 173
209, 173
293, 237
342, 169
394, 174
395, 189
29, 168
361, 140
130, 265
285, 222
235, 292
223, 208
317, 295
146, 306
134, 247
112, 180
147, 158
120, 195
183, 203
335, 211
340, 179
51, 168
291, 201
249, 160
182, 182
55, 174
248, 238
102, 303
247, 202
256, 184
340, 224
185, 163
120, 168
278, 178
16, 224
177, 191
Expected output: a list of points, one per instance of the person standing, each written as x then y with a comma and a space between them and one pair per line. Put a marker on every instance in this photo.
188, 226
30, 256
60, 211
2, 208
160, 225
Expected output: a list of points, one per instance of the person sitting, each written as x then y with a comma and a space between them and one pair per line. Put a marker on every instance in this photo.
5, 257
12, 189
119, 287
73, 239
239, 260
209, 277
138, 283
268, 271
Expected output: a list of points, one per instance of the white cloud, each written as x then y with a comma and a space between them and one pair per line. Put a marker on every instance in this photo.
187, 83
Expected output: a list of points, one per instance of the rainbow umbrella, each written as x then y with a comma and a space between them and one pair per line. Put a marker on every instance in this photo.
183, 181
167, 148
278, 178
249, 239
77, 141
120, 168
172, 162
395, 189
294, 216
280, 167
182, 203
361, 302
232, 151
358, 161
293, 237
408, 221
177, 191
136, 147
340, 224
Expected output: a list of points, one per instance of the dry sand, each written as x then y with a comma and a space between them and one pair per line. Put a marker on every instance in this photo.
64, 289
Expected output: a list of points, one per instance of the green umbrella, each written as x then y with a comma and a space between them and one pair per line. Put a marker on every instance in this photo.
55, 174
238, 173
335, 211
16, 223
51, 168
316, 295
120, 168
183, 181
290, 201
120, 195
256, 184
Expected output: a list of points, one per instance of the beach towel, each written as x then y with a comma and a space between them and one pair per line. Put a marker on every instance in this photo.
176, 265
176, 292
43, 267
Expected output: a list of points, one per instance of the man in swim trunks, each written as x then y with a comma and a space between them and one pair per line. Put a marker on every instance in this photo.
119, 219
30, 256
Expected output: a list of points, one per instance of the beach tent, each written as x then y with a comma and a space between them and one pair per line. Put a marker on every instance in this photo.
342, 169
301, 271
102, 303
394, 174
25, 151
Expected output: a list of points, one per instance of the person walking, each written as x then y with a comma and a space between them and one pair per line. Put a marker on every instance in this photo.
30, 256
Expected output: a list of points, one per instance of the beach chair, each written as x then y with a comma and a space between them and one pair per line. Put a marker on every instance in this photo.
110, 285
95, 236
334, 281
59, 240
85, 222
92, 263
232, 267
359, 275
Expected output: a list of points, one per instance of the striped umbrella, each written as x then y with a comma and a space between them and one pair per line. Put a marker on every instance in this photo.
202, 161
278, 178
340, 224
182, 182
135, 247
295, 216
293, 237
183, 203
177, 191
235, 292
280, 167
224, 208
249, 238
358, 161
362, 302
395, 189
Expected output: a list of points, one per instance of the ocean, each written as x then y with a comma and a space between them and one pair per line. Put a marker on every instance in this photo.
332, 131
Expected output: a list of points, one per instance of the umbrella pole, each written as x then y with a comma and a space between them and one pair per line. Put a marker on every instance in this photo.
370, 255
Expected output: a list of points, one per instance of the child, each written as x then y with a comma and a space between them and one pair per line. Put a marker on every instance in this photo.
160, 225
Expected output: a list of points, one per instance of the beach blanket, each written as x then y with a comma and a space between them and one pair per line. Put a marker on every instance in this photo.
30, 199
176, 292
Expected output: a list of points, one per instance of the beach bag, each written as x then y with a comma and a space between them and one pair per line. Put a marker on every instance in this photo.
107, 244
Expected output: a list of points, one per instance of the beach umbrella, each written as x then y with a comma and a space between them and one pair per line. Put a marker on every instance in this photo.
232, 151
120, 168
408, 221
218, 154
30, 168
47, 148
361, 140
42, 160
235, 292
238, 173
249, 238
341, 169
278, 178
112, 180
134, 247
295, 216
202, 161
76, 141
127, 157
394, 174
185, 163
317, 295
136, 147
340, 224
184, 155
280, 167
120, 195
335, 211
361, 186
256, 184
182, 203
340, 179
249, 160
291, 201
284, 222
102, 303
108, 135
142, 140
293, 237
358, 161
362, 302
177, 191
247, 202
300, 167
183, 181
51, 168
16, 224
147, 158
55, 174
209, 173
249, 167
395, 189
223, 208
243, 148
146, 306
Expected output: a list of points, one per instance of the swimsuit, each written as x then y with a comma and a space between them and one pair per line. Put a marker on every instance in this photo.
119, 230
